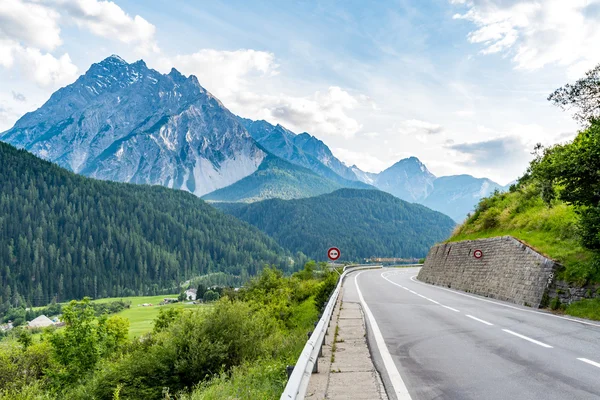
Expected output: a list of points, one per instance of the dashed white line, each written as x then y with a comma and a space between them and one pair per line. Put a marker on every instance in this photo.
528, 339
397, 382
480, 320
412, 278
450, 308
594, 363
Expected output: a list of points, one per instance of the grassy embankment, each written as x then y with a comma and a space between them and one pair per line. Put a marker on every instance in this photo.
551, 230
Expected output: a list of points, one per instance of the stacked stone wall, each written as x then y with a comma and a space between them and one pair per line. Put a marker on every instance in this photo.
508, 269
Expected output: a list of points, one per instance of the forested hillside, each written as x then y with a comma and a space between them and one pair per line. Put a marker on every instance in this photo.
362, 223
65, 236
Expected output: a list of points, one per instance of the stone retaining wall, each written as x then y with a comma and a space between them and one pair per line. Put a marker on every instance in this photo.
508, 269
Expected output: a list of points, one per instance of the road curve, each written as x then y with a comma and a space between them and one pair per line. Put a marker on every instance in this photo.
452, 345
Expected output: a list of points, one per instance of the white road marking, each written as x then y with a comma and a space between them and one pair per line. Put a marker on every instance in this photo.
480, 320
594, 363
504, 305
450, 308
397, 382
413, 292
528, 339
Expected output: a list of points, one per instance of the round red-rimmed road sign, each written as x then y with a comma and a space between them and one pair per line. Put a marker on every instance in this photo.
478, 254
333, 253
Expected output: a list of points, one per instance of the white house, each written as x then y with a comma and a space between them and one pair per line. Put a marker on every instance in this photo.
40, 322
190, 294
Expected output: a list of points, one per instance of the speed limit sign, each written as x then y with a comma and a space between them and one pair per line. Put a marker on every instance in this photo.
478, 254
333, 253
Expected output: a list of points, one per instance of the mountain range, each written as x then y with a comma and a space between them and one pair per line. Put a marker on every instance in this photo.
410, 180
129, 123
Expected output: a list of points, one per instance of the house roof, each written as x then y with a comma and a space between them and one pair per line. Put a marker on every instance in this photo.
192, 291
40, 322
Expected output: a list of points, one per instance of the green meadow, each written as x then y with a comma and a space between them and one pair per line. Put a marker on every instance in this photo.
141, 318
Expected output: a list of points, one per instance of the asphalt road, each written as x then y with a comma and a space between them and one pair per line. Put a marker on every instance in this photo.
452, 345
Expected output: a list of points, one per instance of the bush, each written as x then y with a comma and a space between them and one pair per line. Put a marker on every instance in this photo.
325, 289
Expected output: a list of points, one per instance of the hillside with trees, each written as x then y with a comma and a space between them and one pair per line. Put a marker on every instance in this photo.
64, 236
361, 223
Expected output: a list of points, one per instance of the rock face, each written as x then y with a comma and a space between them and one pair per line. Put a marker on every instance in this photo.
303, 150
128, 123
507, 270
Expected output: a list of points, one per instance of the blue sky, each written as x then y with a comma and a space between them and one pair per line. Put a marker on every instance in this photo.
461, 84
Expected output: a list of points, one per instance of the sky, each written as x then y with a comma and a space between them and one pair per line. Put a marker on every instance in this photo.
460, 84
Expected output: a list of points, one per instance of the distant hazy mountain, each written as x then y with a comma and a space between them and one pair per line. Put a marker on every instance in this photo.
304, 150
458, 195
361, 223
410, 180
128, 123
275, 178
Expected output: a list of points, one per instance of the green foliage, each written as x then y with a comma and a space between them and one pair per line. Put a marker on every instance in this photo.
324, 290
24, 338
210, 296
64, 236
21, 367
587, 308
84, 341
237, 348
166, 316
361, 223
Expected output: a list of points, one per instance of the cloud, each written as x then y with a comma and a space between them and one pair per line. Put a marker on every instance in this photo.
364, 161
502, 152
30, 23
322, 113
43, 68
18, 96
107, 19
417, 127
223, 72
30, 34
535, 34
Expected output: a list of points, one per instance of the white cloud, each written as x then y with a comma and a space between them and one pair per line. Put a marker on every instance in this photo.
364, 161
223, 72
536, 34
418, 127
322, 113
107, 19
30, 23
30, 34
42, 68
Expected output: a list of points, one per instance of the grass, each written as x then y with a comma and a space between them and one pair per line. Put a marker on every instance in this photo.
141, 318
551, 230
588, 308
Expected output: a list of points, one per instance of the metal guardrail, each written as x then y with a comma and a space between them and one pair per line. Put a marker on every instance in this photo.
298, 381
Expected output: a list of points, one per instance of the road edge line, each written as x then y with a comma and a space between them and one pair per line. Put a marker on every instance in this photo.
400, 389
